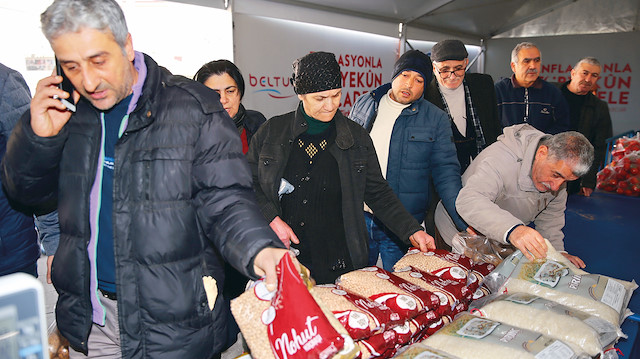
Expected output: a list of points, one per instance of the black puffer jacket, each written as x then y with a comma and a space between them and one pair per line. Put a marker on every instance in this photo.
181, 183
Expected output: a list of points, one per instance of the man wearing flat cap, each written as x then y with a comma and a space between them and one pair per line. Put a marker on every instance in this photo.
413, 141
468, 99
312, 171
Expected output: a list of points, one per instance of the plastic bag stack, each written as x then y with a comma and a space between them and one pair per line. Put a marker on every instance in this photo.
622, 175
543, 308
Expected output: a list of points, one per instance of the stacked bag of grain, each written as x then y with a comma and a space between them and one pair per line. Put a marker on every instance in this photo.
544, 309
425, 291
289, 323
374, 312
520, 309
470, 336
581, 331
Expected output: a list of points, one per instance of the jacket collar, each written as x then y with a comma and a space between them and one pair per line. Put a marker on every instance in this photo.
143, 114
381, 91
537, 84
590, 99
344, 137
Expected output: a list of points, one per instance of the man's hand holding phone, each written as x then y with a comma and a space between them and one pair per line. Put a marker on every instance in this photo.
66, 86
48, 113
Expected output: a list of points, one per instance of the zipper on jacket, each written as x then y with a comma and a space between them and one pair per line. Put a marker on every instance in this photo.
526, 105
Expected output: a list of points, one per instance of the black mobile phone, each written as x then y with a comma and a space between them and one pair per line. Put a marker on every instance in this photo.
65, 85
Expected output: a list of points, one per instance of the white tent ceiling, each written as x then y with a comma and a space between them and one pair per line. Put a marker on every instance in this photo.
483, 19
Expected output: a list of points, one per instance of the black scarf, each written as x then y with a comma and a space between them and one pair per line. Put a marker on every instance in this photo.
238, 119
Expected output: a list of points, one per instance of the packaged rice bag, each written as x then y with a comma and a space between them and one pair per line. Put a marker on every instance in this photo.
438, 262
481, 292
581, 331
423, 325
415, 329
360, 316
404, 333
422, 351
555, 278
469, 336
479, 248
382, 345
403, 297
288, 322
480, 270
449, 292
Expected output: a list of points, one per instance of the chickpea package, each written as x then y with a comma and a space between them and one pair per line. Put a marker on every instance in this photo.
289, 323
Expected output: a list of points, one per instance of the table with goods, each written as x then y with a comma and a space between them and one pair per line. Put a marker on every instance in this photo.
486, 303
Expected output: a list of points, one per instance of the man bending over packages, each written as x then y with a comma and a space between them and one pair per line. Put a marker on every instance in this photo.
518, 180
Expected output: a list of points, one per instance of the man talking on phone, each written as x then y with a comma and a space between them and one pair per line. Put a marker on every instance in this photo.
150, 180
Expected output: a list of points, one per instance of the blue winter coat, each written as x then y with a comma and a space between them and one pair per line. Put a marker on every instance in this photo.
421, 146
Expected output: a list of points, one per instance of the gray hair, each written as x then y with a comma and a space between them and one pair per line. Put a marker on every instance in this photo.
64, 16
571, 147
588, 60
520, 46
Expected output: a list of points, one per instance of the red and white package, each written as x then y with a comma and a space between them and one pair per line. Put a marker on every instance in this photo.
360, 316
300, 329
403, 297
450, 292
481, 270
435, 326
421, 325
381, 345
438, 262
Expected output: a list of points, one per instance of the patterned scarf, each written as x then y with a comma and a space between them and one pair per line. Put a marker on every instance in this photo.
471, 110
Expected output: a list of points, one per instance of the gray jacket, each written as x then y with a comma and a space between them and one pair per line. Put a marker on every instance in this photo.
498, 192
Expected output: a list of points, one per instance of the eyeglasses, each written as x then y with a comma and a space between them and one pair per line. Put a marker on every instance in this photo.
446, 73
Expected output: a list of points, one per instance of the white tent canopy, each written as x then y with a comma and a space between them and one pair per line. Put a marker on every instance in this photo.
474, 19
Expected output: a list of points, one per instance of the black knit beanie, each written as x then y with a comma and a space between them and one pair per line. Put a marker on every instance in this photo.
414, 60
316, 72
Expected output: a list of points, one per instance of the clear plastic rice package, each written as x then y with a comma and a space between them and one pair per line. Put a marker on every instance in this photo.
288, 322
422, 351
480, 248
581, 331
377, 284
556, 279
470, 336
